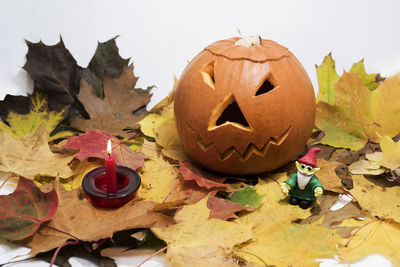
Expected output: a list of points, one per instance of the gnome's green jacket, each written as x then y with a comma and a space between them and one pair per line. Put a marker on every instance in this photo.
308, 192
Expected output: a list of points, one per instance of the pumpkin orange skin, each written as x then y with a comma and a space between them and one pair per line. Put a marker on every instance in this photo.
277, 123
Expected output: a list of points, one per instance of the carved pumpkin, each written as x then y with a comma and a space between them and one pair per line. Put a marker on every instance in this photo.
244, 110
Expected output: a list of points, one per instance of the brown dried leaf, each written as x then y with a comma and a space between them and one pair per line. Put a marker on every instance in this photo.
79, 218
54, 72
31, 156
120, 109
366, 167
332, 218
106, 60
326, 151
328, 177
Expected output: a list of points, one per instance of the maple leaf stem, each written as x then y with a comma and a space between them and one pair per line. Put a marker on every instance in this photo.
344, 261
252, 254
358, 230
130, 139
11, 262
153, 255
55, 229
370, 145
5, 181
74, 242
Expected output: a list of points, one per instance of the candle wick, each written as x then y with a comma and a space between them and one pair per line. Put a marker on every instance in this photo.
109, 155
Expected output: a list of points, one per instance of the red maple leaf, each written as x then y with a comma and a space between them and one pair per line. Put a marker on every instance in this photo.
23, 211
224, 209
94, 144
192, 193
203, 178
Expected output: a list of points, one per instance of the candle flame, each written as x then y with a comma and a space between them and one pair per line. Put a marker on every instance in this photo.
109, 147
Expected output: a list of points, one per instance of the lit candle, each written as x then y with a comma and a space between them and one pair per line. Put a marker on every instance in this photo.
111, 173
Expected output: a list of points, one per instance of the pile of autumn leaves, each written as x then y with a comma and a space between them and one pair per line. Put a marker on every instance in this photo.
204, 218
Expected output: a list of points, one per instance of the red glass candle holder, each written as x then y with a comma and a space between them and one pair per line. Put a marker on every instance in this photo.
95, 186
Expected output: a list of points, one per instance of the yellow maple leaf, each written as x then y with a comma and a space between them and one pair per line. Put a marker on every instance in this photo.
167, 137
378, 201
379, 162
371, 236
161, 112
359, 114
21, 124
31, 156
372, 81
80, 171
157, 180
162, 127
291, 245
197, 236
327, 78
390, 155
149, 122
278, 241
274, 202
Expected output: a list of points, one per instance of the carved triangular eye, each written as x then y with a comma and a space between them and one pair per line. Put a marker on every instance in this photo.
265, 87
208, 74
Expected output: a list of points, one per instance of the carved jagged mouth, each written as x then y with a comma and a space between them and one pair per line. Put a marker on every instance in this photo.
250, 149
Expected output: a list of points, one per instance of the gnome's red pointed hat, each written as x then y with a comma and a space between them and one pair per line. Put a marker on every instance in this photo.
311, 157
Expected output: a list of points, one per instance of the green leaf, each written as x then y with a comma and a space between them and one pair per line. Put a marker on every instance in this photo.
372, 81
247, 197
136, 143
327, 78
23, 211
21, 124
106, 60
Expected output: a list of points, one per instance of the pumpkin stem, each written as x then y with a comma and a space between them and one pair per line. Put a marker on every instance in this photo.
249, 41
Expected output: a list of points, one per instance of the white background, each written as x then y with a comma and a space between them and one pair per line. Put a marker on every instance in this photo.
162, 36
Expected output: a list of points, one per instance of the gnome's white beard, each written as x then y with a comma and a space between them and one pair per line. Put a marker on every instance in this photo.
302, 179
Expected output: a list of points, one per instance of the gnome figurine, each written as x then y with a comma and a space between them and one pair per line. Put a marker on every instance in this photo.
303, 186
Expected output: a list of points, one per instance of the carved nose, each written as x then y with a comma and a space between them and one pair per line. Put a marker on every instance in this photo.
228, 112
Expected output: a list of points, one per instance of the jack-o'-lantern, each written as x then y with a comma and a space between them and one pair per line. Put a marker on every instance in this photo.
244, 106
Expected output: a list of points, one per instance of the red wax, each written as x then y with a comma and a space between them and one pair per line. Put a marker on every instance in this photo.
111, 174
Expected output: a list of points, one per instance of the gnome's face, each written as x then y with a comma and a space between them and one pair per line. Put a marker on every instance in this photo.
306, 169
